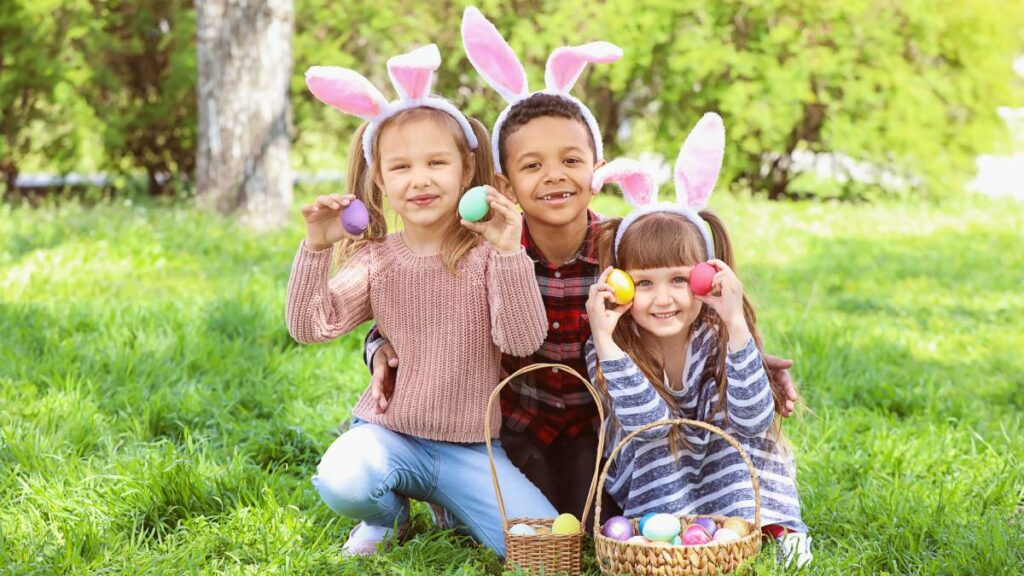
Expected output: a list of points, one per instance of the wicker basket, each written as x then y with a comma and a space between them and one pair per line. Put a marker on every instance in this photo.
617, 557
545, 553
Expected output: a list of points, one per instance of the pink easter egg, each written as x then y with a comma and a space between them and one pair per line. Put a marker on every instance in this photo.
695, 536
701, 277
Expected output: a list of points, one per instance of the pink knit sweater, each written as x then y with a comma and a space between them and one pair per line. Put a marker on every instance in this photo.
449, 333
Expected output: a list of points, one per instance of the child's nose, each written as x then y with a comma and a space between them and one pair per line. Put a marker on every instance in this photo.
555, 174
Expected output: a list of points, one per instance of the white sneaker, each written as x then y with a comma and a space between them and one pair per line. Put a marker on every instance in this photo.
795, 550
364, 539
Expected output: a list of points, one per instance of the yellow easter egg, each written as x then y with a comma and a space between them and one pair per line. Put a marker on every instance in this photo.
565, 524
737, 524
622, 286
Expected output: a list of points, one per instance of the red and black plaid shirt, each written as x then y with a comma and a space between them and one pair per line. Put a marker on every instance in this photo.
549, 403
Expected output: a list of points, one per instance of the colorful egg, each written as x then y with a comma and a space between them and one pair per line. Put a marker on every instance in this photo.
565, 524
677, 541
725, 535
661, 528
701, 277
638, 540
355, 218
643, 520
618, 528
695, 536
707, 524
521, 530
473, 205
622, 286
738, 525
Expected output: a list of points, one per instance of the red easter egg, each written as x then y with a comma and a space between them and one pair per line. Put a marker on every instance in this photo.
700, 278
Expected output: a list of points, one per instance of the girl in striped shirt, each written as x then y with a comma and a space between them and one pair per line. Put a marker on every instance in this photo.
670, 353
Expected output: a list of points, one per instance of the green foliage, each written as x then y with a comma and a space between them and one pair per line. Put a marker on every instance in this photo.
37, 109
141, 84
908, 91
155, 416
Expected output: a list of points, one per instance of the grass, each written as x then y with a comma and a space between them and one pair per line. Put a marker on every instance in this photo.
155, 416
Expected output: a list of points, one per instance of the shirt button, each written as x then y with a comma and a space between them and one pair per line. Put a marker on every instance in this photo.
555, 325
555, 370
560, 405
558, 274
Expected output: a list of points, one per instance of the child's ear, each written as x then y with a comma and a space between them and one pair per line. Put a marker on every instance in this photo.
505, 187
469, 169
600, 163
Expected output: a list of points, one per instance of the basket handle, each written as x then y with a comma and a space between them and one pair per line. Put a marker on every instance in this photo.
490, 452
678, 422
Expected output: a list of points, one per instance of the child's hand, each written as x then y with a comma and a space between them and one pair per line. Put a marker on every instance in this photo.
602, 318
504, 229
726, 299
323, 221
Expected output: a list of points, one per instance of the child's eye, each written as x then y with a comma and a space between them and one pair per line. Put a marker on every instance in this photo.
642, 283
438, 162
396, 167
531, 166
572, 160
680, 280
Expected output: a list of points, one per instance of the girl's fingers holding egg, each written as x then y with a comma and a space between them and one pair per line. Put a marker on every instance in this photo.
478, 227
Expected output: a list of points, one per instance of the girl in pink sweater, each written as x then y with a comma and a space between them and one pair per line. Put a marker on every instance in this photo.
451, 296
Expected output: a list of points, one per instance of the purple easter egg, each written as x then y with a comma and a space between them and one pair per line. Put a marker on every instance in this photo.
707, 524
695, 536
618, 528
355, 218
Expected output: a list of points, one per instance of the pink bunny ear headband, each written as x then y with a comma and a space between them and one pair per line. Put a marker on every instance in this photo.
411, 73
695, 174
494, 59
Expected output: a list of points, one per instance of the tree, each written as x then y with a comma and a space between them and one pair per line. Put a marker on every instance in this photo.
244, 62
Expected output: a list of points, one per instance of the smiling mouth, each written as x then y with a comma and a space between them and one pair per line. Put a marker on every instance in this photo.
664, 315
557, 196
422, 200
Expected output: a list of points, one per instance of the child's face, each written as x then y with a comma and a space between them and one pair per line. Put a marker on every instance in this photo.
422, 172
663, 304
549, 166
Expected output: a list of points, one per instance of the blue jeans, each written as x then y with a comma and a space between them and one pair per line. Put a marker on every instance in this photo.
370, 472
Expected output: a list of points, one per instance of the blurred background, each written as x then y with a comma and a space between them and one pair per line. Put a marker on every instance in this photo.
847, 99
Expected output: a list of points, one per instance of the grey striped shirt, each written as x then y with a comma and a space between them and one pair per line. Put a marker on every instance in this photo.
712, 478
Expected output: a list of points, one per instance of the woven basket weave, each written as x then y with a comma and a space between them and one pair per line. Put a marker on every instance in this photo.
542, 554
617, 557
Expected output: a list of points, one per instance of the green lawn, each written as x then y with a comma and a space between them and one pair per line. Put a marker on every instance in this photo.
155, 416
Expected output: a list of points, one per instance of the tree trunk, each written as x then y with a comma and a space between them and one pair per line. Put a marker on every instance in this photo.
244, 61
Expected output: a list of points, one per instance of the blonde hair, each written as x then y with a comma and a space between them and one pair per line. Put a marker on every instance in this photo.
663, 240
363, 178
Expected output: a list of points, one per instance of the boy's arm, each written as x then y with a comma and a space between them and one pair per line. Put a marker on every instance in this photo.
519, 323
318, 309
749, 394
633, 400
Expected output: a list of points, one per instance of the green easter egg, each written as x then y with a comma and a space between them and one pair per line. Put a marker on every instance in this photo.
473, 206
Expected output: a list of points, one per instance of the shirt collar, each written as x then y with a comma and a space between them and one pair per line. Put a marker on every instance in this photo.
586, 253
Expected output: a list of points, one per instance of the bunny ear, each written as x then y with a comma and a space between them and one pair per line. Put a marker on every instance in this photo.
345, 90
699, 162
637, 183
566, 63
492, 57
413, 72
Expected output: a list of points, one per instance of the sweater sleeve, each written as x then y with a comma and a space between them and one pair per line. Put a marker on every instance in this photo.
518, 321
750, 403
318, 309
632, 397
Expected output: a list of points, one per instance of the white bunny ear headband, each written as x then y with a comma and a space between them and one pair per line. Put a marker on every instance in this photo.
695, 174
411, 73
494, 59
